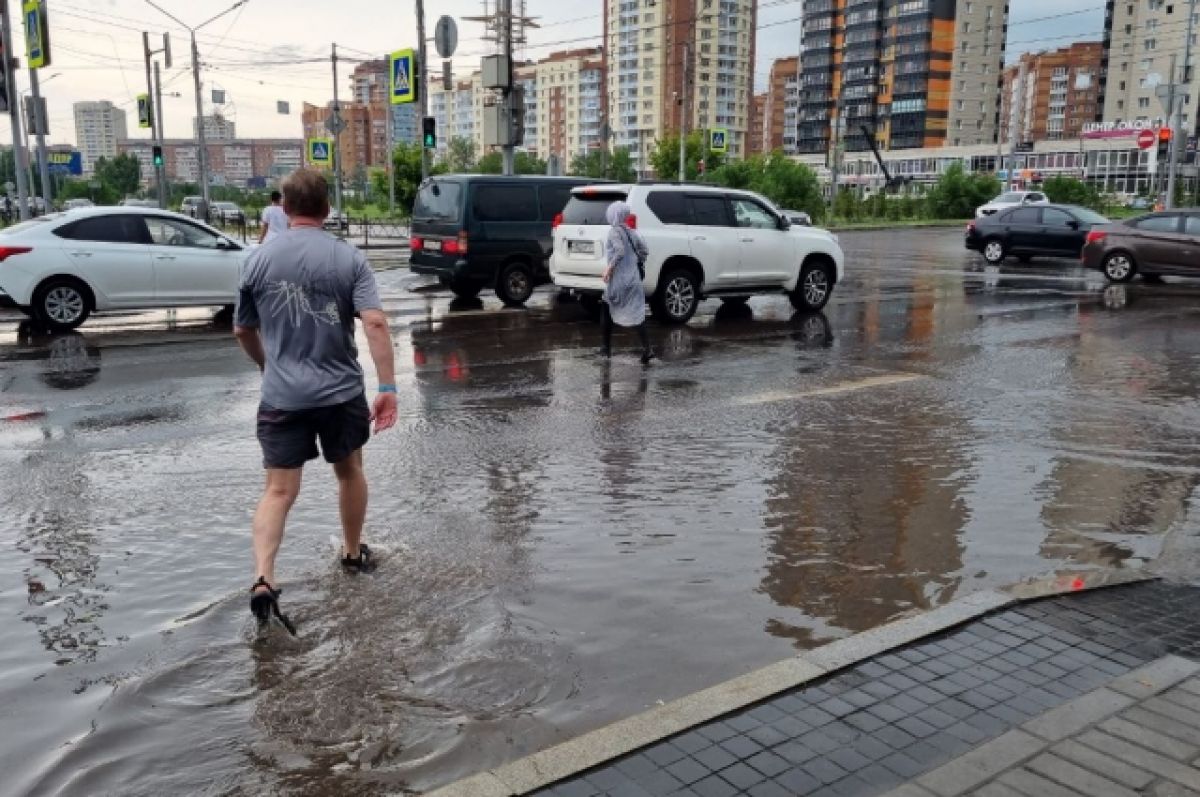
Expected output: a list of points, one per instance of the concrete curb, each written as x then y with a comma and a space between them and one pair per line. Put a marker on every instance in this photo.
625, 736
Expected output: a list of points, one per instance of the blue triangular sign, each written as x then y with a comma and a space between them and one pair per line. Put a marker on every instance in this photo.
400, 76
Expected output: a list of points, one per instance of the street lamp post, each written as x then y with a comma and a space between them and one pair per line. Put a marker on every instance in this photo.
201, 151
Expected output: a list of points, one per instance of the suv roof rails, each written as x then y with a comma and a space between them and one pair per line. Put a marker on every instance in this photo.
689, 183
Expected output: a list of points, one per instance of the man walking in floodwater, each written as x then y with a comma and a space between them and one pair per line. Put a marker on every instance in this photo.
295, 318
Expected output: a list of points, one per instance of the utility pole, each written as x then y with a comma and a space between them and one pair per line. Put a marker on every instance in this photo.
683, 115
1176, 113
504, 9
423, 84
20, 154
201, 146
1014, 126
155, 112
337, 138
42, 120
160, 172
391, 156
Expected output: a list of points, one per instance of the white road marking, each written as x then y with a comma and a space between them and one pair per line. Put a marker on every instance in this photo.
883, 380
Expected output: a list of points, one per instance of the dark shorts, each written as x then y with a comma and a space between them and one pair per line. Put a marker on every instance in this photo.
289, 437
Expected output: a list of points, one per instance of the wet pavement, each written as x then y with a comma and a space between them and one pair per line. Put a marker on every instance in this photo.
564, 542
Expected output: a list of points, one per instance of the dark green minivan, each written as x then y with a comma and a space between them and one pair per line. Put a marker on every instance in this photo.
476, 231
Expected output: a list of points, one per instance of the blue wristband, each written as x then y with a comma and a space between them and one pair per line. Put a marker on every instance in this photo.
387, 388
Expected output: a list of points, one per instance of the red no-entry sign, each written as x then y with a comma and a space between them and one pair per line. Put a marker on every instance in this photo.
1146, 139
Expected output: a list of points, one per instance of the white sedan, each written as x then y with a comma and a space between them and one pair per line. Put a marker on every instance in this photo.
61, 267
1011, 199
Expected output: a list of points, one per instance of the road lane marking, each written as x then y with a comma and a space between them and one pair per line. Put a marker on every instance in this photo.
883, 380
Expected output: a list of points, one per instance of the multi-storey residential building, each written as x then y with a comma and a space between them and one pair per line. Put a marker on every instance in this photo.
913, 73
362, 143
369, 86
216, 128
759, 139
566, 101
1140, 38
98, 128
780, 111
1051, 95
458, 113
679, 60
240, 162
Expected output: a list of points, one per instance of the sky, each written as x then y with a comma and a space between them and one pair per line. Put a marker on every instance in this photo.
250, 53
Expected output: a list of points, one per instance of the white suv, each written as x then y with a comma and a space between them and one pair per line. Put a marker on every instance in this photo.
704, 242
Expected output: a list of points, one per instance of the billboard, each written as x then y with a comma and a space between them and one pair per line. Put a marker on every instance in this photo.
65, 162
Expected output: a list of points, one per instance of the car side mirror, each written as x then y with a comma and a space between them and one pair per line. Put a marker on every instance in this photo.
785, 223
1074, 225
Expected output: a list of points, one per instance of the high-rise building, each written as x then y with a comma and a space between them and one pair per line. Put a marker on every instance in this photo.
243, 163
98, 127
362, 141
780, 111
216, 128
759, 140
912, 73
1050, 96
679, 60
1140, 39
568, 97
369, 84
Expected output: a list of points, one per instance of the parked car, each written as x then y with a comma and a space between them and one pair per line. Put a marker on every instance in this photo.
61, 267
1139, 203
1153, 245
133, 202
74, 204
193, 206
1011, 199
797, 217
337, 221
1051, 230
475, 231
227, 213
704, 241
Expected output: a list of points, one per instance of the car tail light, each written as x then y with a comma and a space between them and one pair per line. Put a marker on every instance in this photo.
8, 251
1096, 236
631, 221
415, 243
970, 227
455, 246
558, 218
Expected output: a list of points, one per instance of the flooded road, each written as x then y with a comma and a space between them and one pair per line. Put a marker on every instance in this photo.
564, 541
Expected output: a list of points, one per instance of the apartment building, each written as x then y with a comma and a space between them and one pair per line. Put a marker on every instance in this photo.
239, 162
369, 85
758, 141
679, 60
1140, 38
458, 112
216, 128
1050, 96
912, 73
99, 126
568, 96
362, 143
781, 106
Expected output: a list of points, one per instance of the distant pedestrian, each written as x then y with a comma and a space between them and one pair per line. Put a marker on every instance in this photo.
274, 221
624, 296
7, 209
295, 318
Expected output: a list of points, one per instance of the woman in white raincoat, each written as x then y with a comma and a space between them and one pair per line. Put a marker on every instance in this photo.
624, 297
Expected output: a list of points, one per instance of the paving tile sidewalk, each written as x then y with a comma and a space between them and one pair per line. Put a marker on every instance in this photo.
906, 721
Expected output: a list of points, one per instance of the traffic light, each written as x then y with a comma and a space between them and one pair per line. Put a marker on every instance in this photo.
1164, 142
158, 156
429, 132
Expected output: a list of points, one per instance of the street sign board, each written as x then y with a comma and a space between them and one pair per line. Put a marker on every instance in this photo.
447, 76
145, 111
445, 36
1146, 139
320, 151
1191, 144
1024, 146
403, 83
718, 140
37, 34
283, 106
65, 162
335, 124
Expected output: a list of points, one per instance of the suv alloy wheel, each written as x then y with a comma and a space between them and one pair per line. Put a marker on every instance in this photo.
677, 297
814, 287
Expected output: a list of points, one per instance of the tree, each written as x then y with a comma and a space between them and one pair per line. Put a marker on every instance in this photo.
1069, 191
957, 193
788, 184
406, 166
665, 157
523, 163
122, 175
620, 166
460, 156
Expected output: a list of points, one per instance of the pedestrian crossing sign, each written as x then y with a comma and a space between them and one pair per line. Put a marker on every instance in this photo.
718, 140
403, 88
320, 151
37, 34
145, 111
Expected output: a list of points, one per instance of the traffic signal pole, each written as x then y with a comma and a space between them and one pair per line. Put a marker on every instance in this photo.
42, 121
423, 82
1175, 119
20, 153
160, 167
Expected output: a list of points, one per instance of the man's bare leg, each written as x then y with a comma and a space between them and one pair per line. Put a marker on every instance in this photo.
283, 485
352, 501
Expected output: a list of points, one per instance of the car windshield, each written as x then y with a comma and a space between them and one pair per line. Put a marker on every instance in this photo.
227, 206
1011, 196
1089, 216
589, 207
439, 200
29, 225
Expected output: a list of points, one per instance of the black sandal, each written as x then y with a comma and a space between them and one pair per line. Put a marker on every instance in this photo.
362, 562
262, 604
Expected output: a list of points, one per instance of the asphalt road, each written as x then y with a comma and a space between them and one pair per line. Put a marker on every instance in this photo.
564, 541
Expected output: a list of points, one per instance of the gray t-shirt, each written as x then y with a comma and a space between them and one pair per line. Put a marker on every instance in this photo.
302, 290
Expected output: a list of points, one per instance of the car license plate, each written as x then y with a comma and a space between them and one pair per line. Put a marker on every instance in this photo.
433, 246
582, 247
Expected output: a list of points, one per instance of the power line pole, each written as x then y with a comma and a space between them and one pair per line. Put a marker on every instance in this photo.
155, 122
423, 83
683, 115
337, 138
20, 154
1176, 109
39, 113
160, 171
504, 9
201, 146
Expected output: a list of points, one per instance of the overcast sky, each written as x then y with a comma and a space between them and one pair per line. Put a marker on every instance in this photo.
97, 49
